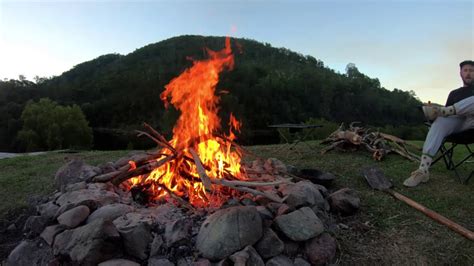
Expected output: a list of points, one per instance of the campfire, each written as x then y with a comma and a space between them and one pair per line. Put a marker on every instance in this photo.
200, 163
192, 201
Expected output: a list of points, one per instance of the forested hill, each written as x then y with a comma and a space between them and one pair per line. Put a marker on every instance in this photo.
268, 85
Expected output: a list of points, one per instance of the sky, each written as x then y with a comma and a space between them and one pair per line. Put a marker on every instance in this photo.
407, 44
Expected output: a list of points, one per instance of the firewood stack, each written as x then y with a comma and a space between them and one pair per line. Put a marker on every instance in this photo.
378, 143
167, 153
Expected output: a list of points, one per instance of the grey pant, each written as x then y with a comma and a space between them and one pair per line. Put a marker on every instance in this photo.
445, 126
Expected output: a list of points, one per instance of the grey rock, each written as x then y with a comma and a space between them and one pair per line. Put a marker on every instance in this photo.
164, 214
273, 206
156, 244
91, 204
76, 186
101, 186
133, 219
89, 244
264, 213
119, 262
316, 176
159, 262
186, 261
291, 248
301, 262
300, 225
304, 193
229, 230
178, 232
74, 216
106, 167
30, 252
48, 210
269, 245
274, 165
202, 262
34, 225
344, 201
86, 197
11, 228
110, 212
321, 250
280, 260
51, 231
247, 256
73, 172
284, 209
136, 239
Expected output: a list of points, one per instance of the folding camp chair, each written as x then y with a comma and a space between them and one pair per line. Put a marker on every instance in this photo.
450, 143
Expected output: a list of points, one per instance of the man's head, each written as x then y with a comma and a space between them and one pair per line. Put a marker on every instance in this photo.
467, 72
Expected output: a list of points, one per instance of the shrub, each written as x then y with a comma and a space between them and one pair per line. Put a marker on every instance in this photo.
48, 125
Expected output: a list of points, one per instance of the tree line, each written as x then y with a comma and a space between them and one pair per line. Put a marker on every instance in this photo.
268, 85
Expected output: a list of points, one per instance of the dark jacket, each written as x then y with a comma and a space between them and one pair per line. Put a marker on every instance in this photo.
459, 94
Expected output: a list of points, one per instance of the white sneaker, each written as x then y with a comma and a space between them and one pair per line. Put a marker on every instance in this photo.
416, 177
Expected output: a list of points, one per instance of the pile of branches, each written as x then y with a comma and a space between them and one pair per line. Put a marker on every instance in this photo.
378, 143
181, 160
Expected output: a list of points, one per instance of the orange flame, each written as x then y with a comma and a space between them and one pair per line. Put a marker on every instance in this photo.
193, 94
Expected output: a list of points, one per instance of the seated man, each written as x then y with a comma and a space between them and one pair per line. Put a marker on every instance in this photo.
456, 116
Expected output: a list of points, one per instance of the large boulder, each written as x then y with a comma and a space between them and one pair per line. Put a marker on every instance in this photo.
89, 244
229, 230
73, 172
300, 225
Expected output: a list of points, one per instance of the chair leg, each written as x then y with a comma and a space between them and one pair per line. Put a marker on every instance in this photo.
455, 166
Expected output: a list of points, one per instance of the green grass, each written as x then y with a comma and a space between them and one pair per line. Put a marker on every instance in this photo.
25, 176
385, 231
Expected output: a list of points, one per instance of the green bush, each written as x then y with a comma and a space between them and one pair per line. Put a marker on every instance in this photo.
48, 125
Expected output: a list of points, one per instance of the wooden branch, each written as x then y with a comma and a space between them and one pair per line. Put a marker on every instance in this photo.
334, 145
226, 183
107, 177
254, 184
125, 168
201, 171
405, 155
145, 169
159, 137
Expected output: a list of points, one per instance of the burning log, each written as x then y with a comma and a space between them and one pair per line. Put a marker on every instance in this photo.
145, 169
201, 171
380, 144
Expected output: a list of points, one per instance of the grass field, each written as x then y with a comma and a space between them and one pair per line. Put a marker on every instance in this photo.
385, 231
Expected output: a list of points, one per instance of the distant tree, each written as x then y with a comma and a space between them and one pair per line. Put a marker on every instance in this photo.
47, 125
